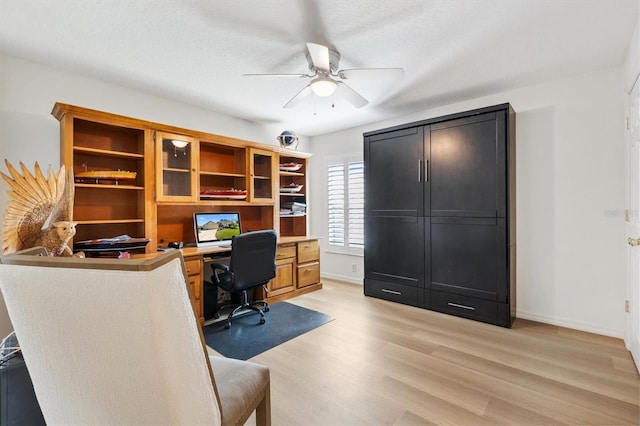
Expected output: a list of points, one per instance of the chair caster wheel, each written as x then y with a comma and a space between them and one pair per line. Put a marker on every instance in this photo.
266, 309
262, 321
227, 326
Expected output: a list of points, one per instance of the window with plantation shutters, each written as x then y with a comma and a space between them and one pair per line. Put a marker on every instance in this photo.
335, 204
345, 204
355, 204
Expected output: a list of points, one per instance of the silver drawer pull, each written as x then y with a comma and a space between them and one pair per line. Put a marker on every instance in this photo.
397, 293
471, 308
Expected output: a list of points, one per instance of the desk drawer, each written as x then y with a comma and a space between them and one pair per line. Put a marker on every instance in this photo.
193, 266
308, 274
284, 252
308, 251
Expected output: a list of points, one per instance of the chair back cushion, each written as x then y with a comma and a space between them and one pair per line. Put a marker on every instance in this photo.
109, 346
253, 259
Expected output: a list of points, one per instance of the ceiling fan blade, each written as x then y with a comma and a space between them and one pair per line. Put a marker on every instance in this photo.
370, 73
278, 75
350, 95
319, 56
299, 97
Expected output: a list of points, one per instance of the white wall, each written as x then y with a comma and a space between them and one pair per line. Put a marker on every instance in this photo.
570, 198
29, 133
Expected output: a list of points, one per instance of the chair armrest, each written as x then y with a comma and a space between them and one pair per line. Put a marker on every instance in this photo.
221, 266
216, 267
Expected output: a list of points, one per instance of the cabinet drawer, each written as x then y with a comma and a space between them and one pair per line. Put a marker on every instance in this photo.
308, 251
193, 266
195, 287
308, 274
464, 306
405, 294
284, 252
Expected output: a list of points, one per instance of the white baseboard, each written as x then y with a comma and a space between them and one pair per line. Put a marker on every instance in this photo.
560, 322
344, 278
568, 323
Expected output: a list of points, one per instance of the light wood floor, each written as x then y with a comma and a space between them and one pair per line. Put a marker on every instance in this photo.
381, 363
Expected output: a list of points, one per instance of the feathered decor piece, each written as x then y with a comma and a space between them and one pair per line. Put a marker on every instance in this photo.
39, 211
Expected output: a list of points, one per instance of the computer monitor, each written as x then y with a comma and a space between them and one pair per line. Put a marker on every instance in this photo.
216, 229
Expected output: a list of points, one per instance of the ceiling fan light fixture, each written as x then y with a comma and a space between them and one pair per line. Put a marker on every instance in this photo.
323, 86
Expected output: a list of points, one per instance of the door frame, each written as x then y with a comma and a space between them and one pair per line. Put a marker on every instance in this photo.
632, 221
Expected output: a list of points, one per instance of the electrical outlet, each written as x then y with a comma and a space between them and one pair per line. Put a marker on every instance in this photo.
626, 306
354, 267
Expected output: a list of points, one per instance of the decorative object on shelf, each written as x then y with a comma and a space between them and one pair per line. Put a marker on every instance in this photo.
292, 187
36, 201
288, 139
106, 175
290, 167
293, 208
232, 194
111, 247
179, 145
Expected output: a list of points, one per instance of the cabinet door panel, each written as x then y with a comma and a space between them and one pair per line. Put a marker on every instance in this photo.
468, 257
394, 250
284, 281
468, 177
393, 172
176, 172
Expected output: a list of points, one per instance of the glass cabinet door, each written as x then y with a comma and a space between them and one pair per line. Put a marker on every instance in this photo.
176, 173
262, 171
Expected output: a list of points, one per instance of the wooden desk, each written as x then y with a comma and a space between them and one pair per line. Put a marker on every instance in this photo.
297, 270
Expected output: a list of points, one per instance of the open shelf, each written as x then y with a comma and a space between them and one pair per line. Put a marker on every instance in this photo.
106, 153
294, 224
109, 186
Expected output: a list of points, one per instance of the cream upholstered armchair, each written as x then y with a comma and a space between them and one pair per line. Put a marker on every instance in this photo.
116, 341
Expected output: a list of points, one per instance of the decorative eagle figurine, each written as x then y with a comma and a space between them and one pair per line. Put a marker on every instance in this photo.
39, 211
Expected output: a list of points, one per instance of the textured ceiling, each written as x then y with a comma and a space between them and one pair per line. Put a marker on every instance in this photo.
195, 51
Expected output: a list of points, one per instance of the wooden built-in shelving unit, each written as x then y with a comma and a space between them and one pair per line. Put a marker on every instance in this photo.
159, 203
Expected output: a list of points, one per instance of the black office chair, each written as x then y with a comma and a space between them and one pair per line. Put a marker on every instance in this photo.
253, 264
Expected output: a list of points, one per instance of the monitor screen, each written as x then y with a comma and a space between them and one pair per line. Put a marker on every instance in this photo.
216, 229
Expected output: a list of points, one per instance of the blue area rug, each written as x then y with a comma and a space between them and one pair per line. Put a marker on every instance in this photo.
247, 338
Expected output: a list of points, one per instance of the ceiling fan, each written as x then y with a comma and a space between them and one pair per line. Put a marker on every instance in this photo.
327, 78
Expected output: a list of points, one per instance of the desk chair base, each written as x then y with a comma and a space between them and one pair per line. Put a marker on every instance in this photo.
244, 304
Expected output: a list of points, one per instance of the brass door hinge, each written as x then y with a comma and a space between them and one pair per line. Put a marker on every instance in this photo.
627, 309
